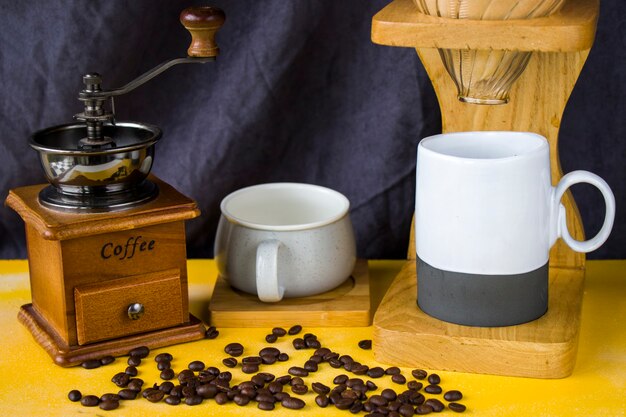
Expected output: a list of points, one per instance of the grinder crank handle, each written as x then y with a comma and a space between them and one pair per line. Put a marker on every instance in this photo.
202, 22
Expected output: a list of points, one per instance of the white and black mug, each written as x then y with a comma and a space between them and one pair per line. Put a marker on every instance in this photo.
486, 216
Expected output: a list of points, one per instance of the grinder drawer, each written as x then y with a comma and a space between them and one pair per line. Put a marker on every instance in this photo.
129, 305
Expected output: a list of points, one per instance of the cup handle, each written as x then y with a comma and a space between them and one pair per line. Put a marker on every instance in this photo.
567, 181
267, 286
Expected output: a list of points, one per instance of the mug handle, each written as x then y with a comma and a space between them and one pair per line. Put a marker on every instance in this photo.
267, 286
567, 181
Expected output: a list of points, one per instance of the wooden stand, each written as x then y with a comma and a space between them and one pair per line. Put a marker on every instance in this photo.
560, 45
86, 270
347, 305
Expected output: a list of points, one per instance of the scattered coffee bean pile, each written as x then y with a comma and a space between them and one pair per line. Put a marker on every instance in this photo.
198, 383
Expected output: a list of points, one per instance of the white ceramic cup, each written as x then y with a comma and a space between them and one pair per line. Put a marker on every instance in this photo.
485, 208
285, 240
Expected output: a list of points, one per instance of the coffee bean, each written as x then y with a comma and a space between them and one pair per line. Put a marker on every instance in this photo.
353, 381
74, 395
453, 395
414, 385
234, 349
320, 388
135, 384
284, 380
109, 396
121, 379
268, 360
134, 361
299, 389
331, 355
378, 400
267, 376
365, 344
90, 401
127, 394
322, 401
254, 360
371, 386
280, 396
269, 351
456, 407
109, 405
194, 400
241, 400
153, 395
166, 387
335, 363
140, 352
389, 394
188, 391
265, 405
196, 366
293, 403
91, 364
322, 352
172, 400
399, 379
275, 387
298, 343
296, 380
346, 359
131, 370
229, 362
359, 369
435, 404
225, 376
107, 360
221, 398
283, 357
295, 330
279, 331
406, 410
312, 343
393, 370
317, 359
163, 357
163, 365
417, 399
310, 366
298, 371
258, 381
211, 333
419, 374
433, 389
376, 372
434, 379
263, 397
344, 403
357, 407
249, 368
167, 374
423, 409
207, 391
177, 391
271, 338
340, 379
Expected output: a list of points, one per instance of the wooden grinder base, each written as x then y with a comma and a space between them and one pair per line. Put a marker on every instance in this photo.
545, 348
347, 305
64, 355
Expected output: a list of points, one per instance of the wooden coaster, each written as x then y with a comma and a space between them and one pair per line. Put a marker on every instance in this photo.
545, 348
346, 305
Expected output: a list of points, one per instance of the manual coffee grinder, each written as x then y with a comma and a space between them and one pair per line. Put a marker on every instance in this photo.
106, 240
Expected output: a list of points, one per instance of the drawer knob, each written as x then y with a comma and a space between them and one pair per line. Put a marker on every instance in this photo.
135, 311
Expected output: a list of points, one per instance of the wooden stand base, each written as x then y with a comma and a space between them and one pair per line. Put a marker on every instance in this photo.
66, 356
545, 348
347, 305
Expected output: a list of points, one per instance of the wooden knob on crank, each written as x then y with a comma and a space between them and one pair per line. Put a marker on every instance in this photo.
202, 22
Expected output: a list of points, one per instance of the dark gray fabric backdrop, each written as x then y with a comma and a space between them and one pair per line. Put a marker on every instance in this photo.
299, 93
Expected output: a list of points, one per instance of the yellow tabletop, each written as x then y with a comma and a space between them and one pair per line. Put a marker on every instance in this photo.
31, 385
